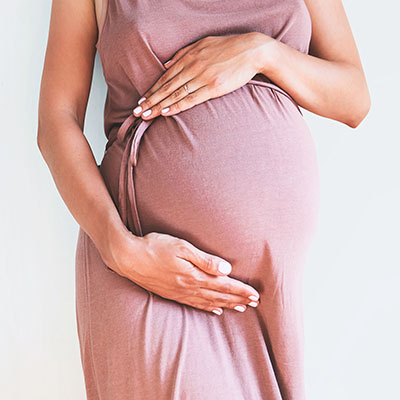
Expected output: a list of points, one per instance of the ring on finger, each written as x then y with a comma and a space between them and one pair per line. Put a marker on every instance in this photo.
186, 88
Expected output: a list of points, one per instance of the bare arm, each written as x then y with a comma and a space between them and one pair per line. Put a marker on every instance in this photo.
329, 81
170, 267
64, 93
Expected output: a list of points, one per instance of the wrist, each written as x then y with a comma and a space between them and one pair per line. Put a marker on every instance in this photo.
118, 242
266, 56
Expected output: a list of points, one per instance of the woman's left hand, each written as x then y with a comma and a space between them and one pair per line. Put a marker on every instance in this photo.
211, 67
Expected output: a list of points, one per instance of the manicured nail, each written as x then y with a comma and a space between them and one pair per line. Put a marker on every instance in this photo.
216, 311
253, 304
239, 308
252, 297
167, 62
224, 267
146, 113
137, 110
141, 100
164, 110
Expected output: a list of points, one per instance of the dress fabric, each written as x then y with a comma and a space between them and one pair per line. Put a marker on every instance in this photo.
236, 176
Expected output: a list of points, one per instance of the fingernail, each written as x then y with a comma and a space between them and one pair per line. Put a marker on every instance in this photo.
253, 304
146, 113
167, 62
141, 100
216, 311
164, 110
252, 297
239, 308
137, 110
224, 267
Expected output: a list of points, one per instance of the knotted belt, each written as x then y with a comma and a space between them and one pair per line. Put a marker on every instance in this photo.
131, 132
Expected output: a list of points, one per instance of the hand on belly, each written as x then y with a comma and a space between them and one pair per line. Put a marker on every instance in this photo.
175, 269
209, 68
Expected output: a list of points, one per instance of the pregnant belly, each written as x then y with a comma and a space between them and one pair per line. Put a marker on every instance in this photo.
236, 176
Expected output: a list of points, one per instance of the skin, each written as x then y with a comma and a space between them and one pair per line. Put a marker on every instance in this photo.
171, 267
329, 81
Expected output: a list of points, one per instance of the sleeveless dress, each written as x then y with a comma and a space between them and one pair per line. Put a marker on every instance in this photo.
237, 177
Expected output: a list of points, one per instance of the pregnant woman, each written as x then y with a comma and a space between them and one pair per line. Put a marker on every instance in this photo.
194, 228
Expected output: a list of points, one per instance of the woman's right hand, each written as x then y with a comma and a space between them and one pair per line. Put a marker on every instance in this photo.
175, 269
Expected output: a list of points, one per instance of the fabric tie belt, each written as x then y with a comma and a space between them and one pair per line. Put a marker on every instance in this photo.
131, 131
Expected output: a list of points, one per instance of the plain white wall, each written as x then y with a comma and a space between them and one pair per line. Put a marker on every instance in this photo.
352, 276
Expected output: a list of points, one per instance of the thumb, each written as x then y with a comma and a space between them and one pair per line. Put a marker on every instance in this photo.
209, 263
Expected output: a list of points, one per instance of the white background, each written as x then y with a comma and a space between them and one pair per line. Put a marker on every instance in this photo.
352, 276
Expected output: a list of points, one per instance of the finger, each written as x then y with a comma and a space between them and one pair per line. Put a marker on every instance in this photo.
202, 88
179, 54
211, 264
185, 103
166, 77
168, 63
143, 102
164, 88
193, 278
213, 309
226, 284
164, 107
210, 305
226, 300
184, 70
198, 303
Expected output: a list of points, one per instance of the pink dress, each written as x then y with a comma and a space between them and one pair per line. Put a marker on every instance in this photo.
237, 177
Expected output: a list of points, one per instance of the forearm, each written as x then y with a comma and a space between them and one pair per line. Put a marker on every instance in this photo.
79, 182
332, 89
